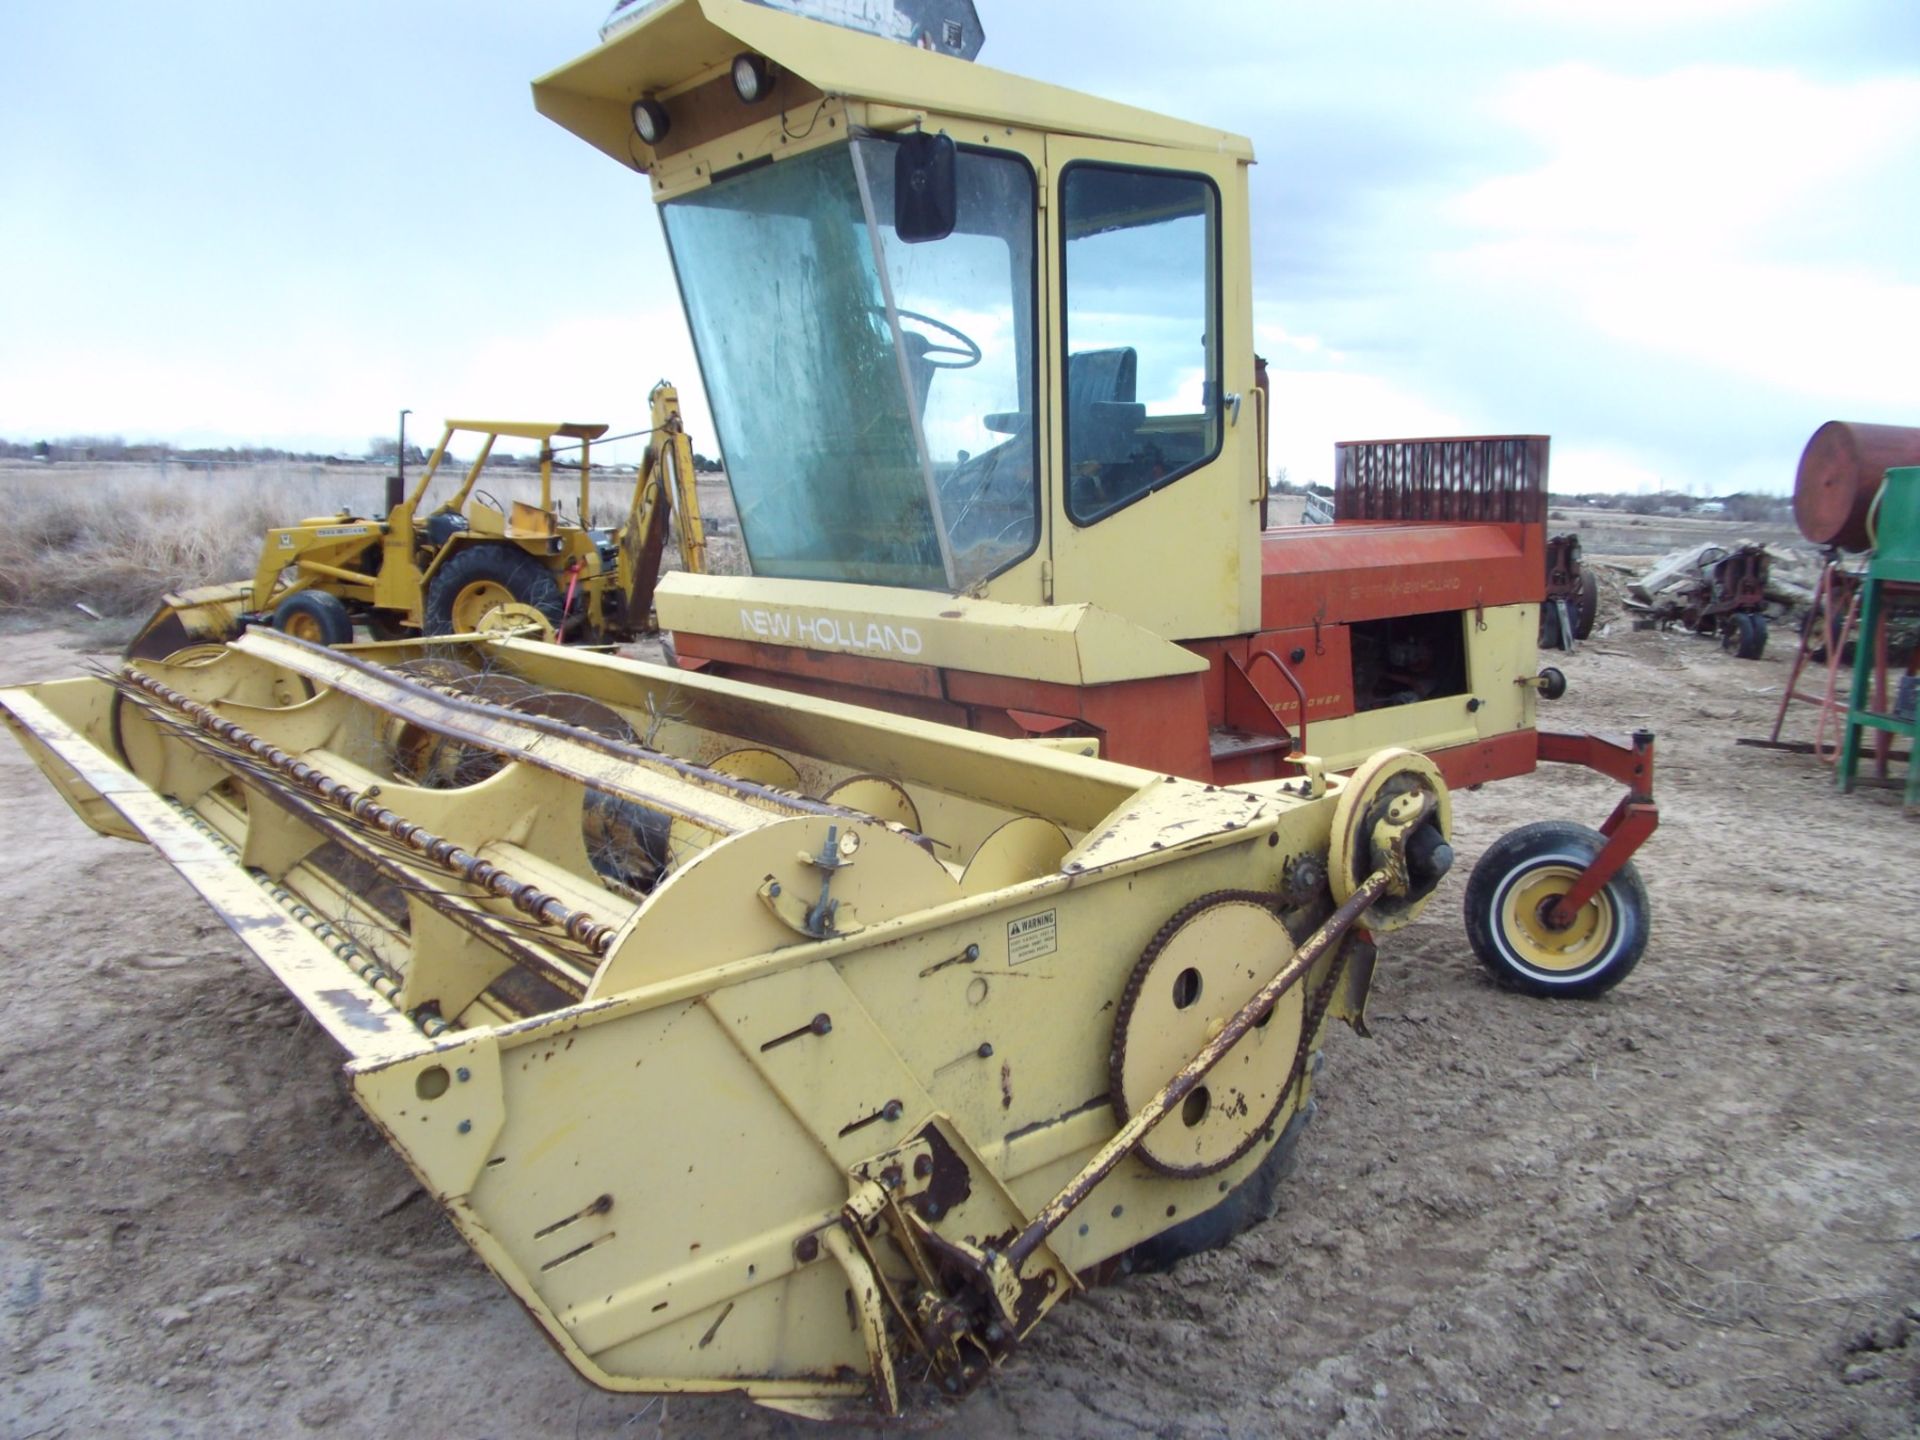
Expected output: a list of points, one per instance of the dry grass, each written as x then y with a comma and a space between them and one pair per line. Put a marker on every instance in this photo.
116, 537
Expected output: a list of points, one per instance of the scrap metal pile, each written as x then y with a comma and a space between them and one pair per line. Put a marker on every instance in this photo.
1735, 592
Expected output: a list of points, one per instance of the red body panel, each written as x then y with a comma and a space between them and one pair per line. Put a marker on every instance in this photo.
1318, 580
1379, 569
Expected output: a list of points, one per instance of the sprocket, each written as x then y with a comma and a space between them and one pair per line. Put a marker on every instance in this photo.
1205, 963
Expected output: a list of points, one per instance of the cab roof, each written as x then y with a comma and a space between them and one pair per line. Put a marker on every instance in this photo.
690, 41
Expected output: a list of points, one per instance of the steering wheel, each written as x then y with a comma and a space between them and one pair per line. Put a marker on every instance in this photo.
967, 350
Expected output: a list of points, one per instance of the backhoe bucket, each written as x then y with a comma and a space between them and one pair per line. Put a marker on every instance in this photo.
204, 616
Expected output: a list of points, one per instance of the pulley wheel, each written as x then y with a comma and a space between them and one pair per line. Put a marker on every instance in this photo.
1205, 964
1363, 804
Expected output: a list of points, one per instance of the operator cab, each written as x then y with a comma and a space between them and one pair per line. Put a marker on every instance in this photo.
875, 394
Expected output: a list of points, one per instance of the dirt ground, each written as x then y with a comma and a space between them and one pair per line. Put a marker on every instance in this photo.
1689, 1208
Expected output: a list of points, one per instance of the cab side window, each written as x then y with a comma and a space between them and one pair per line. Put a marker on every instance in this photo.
1142, 332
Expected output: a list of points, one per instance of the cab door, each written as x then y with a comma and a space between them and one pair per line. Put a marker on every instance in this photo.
1154, 471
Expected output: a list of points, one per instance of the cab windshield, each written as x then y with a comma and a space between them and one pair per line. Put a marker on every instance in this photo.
874, 398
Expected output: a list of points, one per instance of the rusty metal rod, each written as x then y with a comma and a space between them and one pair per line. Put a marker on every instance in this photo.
595, 934
484, 925
1054, 1213
657, 761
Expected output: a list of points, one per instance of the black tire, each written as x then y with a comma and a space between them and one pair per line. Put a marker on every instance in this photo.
386, 625
1753, 636
518, 573
1249, 1203
1550, 625
1586, 605
1599, 950
1820, 632
315, 616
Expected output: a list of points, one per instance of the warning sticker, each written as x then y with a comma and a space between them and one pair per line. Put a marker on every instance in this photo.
1032, 936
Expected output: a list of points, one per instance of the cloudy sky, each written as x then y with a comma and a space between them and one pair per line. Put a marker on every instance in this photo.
1676, 235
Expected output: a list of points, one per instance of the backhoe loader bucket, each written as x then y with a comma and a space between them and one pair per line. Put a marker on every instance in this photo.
759, 1043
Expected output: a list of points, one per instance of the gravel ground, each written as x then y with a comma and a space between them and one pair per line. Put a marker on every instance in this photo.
1689, 1208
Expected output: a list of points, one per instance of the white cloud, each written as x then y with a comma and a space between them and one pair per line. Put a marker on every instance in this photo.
1842, 336
1724, 219
1696, 158
592, 367
1581, 470
1313, 409
1630, 14
587, 367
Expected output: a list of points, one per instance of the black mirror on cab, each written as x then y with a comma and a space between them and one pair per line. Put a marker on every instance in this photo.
925, 198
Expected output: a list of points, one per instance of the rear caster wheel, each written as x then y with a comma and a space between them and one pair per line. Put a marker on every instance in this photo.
1514, 887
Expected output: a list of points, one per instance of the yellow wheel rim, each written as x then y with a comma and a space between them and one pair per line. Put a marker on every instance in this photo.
303, 626
473, 602
204, 654
1523, 918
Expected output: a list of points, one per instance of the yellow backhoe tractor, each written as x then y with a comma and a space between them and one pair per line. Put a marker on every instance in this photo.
465, 561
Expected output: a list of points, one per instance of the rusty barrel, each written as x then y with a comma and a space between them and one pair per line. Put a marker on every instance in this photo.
1840, 473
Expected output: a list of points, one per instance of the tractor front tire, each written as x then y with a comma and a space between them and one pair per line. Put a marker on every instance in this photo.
480, 578
316, 617
1508, 896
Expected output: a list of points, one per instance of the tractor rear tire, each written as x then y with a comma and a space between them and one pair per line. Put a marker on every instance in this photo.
1518, 877
479, 577
316, 617
1586, 605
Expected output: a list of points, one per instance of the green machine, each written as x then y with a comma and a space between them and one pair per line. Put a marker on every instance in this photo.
1893, 570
